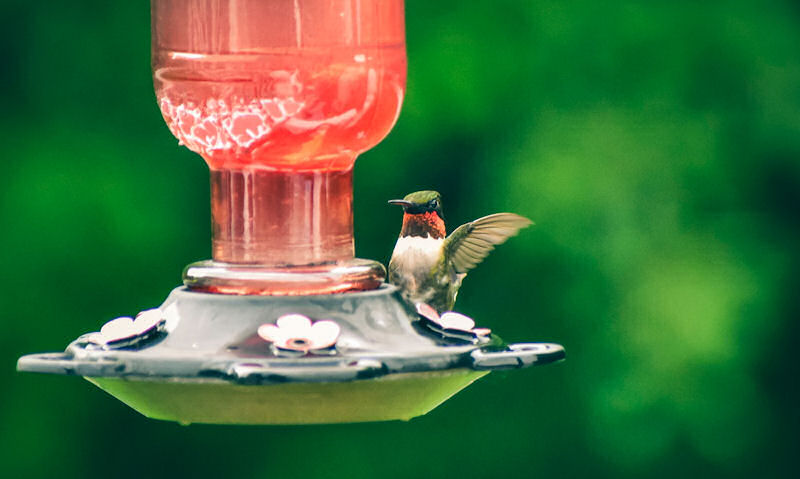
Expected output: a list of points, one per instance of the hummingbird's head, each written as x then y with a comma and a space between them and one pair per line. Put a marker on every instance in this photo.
422, 214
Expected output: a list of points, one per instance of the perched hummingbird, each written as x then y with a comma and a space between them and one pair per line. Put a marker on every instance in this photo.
429, 267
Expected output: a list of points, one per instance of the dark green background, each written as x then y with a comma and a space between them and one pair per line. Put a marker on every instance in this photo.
656, 145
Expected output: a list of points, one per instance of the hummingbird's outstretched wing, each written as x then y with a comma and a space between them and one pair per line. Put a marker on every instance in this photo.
468, 244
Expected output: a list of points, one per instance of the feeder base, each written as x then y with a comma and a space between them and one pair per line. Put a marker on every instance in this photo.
396, 396
243, 279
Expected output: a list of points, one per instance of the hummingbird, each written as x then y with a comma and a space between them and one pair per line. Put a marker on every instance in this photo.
427, 265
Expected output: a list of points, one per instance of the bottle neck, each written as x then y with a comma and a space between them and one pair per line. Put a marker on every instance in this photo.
282, 218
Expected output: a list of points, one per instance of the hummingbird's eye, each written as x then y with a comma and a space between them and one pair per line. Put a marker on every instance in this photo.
434, 204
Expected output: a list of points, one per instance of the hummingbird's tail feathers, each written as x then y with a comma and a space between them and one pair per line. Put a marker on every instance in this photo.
470, 243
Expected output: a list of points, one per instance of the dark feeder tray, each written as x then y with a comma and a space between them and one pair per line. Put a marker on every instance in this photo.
206, 363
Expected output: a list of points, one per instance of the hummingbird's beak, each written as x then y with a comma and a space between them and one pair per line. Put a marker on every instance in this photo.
403, 203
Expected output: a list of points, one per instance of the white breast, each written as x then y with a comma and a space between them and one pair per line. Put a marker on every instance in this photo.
411, 264
412, 253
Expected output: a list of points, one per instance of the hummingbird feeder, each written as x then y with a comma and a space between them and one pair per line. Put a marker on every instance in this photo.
283, 325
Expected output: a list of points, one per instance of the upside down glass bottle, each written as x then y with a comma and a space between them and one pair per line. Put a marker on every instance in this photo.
280, 97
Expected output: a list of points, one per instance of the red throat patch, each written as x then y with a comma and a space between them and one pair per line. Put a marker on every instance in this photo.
423, 224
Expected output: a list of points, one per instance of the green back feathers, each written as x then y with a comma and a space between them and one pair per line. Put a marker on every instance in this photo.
423, 197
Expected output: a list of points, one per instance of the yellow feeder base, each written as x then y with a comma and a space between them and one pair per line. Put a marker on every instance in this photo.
400, 396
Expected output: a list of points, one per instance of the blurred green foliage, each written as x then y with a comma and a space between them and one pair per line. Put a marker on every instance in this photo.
655, 144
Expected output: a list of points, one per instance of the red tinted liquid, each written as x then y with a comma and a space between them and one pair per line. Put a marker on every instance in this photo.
287, 109
306, 217
279, 97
